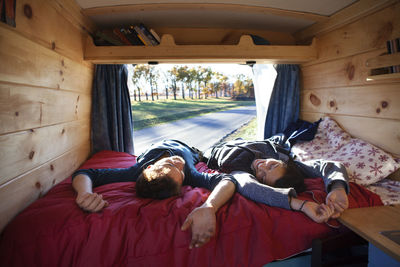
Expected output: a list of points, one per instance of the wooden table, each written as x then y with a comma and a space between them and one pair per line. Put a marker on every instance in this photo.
369, 222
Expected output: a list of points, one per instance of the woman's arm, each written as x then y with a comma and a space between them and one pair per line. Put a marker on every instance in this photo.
202, 220
335, 178
317, 212
250, 188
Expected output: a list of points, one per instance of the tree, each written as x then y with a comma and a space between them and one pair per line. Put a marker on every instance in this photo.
207, 75
181, 76
223, 79
137, 79
149, 74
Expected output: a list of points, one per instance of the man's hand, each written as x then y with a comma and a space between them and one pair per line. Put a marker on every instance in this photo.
317, 212
338, 201
91, 202
202, 221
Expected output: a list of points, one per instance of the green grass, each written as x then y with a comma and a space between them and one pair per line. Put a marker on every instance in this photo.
247, 132
150, 113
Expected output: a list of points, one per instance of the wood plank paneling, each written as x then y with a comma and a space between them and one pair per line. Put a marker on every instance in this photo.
345, 17
349, 71
383, 133
375, 101
22, 191
60, 35
24, 150
45, 96
26, 62
26, 107
349, 40
336, 83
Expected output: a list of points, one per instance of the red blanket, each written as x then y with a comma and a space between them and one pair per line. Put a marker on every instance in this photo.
54, 231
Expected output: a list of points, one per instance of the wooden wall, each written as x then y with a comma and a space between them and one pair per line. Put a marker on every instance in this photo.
45, 95
335, 84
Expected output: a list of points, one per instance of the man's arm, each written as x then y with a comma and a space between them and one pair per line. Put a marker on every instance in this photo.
86, 199
202, 220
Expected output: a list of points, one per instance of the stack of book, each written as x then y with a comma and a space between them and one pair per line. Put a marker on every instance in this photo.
127, 35
393, 46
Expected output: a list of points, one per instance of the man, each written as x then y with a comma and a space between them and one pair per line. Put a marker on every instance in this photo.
273, 167
160, 172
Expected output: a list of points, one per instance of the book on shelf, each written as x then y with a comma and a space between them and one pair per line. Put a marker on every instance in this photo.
393, 46
148, 34
106, 37
142, 36
137, 35
155, 35
121, 36
131, 35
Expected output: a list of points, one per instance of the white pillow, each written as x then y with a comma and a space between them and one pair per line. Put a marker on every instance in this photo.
366, 164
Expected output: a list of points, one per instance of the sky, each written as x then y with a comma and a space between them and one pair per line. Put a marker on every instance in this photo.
227, 69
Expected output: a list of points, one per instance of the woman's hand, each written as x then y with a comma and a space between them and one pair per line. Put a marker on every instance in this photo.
317, 212
91, 202
338, 201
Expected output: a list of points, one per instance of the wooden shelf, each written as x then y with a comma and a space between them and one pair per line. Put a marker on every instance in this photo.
389, 76
169, 52
383, 61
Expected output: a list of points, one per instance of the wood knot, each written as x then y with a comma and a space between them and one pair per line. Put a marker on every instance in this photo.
61, 72
384, 104
332, 103
315, 100
62, 63
37, 185
378, 110
63, 131
31, 154
32, 131
17, 113
52, 167
53, 45
28, 11
350, 69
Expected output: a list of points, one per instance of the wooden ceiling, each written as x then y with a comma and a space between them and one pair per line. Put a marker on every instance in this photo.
289, 16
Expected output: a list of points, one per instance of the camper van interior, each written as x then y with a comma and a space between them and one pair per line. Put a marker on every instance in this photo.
348, 56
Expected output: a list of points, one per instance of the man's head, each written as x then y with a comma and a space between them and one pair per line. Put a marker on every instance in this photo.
162, 179
276, 173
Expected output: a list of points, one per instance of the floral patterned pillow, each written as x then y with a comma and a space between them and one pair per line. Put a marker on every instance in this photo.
365, 163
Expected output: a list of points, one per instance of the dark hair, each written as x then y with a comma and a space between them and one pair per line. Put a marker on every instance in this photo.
158, 188
293, 177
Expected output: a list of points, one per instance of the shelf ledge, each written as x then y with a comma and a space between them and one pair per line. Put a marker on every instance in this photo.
169, 52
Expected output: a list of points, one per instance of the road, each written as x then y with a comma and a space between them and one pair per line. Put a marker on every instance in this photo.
201, 132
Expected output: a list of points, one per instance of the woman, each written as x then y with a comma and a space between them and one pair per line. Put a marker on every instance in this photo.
274, 168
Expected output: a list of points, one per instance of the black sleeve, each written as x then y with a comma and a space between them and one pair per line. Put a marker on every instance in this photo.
207, 180
107, 176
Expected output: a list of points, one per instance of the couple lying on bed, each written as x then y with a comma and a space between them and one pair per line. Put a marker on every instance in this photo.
258, 170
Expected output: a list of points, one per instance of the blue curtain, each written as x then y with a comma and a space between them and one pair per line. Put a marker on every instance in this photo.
284, 104
112, 125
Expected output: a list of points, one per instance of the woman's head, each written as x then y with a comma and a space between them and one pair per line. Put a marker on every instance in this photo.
276, 173
162, 179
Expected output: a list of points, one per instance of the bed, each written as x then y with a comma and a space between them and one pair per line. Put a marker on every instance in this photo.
54, 231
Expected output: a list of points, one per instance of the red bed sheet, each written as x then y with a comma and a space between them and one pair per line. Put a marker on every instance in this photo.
54, 231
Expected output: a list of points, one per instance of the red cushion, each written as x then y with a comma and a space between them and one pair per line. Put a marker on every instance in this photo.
54, 231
